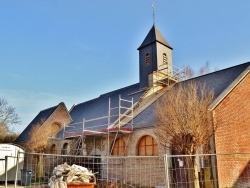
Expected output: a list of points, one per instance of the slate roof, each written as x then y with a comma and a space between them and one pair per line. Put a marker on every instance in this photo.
233, 84
154, 35
38, 120
217, 81
99, 107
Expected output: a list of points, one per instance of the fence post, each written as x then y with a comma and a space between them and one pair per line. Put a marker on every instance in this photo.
166, 170
6, 171
17, 163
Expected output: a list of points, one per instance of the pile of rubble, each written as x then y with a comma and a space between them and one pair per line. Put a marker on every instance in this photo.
65, 174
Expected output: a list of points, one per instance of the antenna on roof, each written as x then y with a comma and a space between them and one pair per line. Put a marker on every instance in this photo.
153, 7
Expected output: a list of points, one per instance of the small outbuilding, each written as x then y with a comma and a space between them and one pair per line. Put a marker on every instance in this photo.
8, 160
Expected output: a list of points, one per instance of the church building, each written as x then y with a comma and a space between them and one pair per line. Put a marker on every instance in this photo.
121, 122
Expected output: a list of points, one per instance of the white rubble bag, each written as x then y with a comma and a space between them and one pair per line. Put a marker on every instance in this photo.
64, 173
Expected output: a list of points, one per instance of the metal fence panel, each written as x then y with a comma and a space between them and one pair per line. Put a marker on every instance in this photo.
171, 171
213, 170
111, 171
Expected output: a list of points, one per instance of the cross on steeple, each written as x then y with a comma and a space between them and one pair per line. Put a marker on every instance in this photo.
153, 7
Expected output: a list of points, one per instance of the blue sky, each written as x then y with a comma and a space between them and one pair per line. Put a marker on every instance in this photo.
71, 51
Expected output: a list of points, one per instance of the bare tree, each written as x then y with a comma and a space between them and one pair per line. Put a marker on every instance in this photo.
189, 72
8, 117
183, 120
9, 138
205, 69
39, 139
38, 142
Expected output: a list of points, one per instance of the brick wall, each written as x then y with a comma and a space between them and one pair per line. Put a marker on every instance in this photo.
57, 120
232, 121
141, 171
130, 170
131, 141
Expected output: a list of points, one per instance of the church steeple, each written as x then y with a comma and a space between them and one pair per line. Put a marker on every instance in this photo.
153, 36
155, 55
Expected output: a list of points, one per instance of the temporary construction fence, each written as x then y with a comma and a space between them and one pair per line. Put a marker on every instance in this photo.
129, 171
171, 171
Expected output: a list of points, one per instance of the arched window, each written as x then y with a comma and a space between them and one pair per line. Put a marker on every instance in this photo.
118, 147
53, 149
65, 148
147, 59
147, 146
165, 58
55, 127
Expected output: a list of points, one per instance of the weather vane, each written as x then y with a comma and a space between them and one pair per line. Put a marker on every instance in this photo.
153, 7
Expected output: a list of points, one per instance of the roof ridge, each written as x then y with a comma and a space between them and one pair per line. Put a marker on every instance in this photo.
51, 107
221, 70
104, 94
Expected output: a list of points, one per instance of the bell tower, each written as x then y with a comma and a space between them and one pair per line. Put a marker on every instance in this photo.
155, 59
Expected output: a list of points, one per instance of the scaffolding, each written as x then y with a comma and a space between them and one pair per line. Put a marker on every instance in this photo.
162, 80
123, 114
117, 118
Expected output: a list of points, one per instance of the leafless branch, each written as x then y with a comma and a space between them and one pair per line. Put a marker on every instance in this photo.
183, 120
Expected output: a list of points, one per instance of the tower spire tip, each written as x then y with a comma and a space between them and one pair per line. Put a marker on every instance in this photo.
153, 8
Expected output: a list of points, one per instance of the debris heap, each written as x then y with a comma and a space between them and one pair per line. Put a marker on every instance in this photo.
65, 174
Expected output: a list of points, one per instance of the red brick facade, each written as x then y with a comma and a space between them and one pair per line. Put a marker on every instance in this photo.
232, 121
